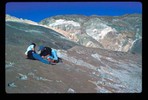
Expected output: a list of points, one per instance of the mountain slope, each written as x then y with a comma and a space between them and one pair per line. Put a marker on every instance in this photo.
114, 33
84, 70
17, 32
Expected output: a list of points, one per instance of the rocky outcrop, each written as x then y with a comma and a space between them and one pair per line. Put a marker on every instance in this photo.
113, 33
136, 46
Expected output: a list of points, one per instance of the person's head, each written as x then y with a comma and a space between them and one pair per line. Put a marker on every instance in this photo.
41, 48
33, 44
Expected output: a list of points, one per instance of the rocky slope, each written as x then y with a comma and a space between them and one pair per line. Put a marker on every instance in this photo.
114, 33
24, 34
15, 19
84, 69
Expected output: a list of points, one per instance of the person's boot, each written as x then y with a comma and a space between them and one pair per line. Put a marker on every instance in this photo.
52, 63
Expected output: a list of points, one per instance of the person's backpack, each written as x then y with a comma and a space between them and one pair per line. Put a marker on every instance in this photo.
48, 50
45, 51
59, 60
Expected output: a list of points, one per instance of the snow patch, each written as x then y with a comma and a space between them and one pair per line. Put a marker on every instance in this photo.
61, 21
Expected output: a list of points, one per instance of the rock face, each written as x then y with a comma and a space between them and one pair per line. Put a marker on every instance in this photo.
84, 69
137, 46
113, 33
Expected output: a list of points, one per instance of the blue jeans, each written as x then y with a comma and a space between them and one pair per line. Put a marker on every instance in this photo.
38, 57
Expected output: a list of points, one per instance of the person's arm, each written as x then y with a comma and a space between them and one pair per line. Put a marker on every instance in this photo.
43, 57
46, 56
54, 53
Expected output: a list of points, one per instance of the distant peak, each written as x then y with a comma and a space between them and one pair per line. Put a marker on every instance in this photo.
13, 18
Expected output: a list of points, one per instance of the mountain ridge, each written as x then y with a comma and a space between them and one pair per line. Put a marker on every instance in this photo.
124, 29
95, 29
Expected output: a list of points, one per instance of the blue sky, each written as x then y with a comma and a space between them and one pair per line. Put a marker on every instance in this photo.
36, 11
